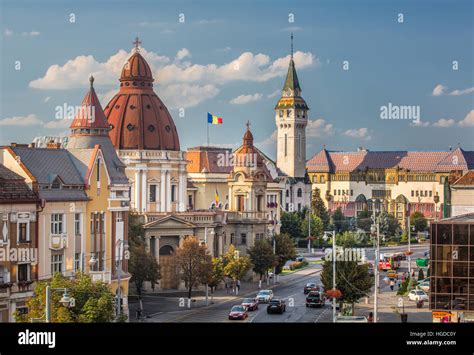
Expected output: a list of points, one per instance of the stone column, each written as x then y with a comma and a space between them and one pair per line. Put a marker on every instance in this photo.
163, 191
144, 189
137, 190
168, 191
157, 249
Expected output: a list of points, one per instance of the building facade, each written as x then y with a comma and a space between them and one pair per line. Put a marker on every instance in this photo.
18, 244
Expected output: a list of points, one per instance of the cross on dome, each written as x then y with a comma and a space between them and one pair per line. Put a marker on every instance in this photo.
137, 43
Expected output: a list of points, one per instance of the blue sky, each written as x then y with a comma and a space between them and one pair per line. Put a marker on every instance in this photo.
407, 63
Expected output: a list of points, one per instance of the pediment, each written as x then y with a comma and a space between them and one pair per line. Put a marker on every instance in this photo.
169, 222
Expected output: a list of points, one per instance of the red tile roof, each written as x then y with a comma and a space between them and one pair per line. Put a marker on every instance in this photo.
466, 180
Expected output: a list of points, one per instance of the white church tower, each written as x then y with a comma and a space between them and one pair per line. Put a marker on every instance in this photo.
291, 120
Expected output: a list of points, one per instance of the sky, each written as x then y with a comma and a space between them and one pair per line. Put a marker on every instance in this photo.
353, 58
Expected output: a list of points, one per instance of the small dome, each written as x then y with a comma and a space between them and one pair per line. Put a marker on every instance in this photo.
136, 68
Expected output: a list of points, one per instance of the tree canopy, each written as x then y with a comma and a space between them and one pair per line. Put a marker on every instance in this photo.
262, 257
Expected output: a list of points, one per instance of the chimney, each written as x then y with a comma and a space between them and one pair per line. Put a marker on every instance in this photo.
53, 145
32, 145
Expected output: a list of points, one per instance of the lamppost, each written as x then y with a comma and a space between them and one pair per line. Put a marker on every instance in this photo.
333, 236
205, 242
309, 231
375, 231
122, 246
66, 301
436, 201
275, 224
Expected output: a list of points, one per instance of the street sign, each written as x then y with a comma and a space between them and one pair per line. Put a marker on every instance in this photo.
442, 314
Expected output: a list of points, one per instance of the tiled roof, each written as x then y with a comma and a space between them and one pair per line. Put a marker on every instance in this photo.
13, 187
206, 159
466, 180
327, 161
45, 163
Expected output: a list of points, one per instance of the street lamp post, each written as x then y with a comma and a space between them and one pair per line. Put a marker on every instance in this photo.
66, 301
333, 235
122, 246
375, 229
309, 231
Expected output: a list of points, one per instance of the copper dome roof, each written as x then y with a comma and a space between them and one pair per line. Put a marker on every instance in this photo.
138, 118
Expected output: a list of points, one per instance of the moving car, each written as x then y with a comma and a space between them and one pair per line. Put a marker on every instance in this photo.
250, 304
315, 299
264, 296
238, 312
392, 274
417, 295
276, 306
310, 287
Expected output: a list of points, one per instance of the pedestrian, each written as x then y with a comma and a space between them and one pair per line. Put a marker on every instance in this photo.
399, 283
260, 284
392, 283
371, 317
226, 288
238, 285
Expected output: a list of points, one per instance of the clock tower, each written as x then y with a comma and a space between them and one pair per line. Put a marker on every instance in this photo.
291, 120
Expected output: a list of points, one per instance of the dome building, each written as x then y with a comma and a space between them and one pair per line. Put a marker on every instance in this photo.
145, 137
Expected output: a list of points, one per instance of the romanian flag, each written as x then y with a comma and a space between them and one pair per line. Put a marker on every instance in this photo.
217, 198
213, 119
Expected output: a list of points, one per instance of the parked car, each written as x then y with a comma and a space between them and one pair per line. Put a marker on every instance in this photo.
315, 299
250, 304
238, 312
310, 287
264, 296
424, 285
276, 305
418, 295
300, 258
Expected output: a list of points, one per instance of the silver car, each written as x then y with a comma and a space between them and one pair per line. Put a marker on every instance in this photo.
264, 296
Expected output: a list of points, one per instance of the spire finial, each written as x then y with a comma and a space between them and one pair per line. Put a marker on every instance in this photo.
248, 125
91, 80
137, 43
292, 45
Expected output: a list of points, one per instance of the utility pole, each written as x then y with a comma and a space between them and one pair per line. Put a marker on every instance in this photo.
376, 229
309, 231
334, 275
409, 244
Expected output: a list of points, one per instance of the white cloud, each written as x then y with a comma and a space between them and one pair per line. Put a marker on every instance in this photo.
274, 94
268, 143
462, 92
47, 98
420, 123
319, 128
245, 99
438, 90
30, 34
186, 95
30, 120
183, 53
208, 22
443, 122
359, 133
225, 49
58, 124
8, 32
468, 121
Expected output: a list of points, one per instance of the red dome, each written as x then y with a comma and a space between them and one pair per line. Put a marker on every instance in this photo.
138, 118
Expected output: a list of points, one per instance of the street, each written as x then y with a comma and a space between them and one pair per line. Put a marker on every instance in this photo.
290, 288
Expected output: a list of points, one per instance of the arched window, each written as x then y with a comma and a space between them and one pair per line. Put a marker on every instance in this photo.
166, 250
299, 192
287, 193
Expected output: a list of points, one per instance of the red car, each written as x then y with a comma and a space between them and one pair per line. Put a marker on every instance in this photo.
310, 287
238, 312
250, 304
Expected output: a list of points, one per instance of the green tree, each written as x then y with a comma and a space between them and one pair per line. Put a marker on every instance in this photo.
262, 257
285, 250
216, 274
143, 267
421, 275
235, 265
319, 208
94, 302
291, 224
339, 221
317, 227
364, 220
194, 260
419, 222
352, 280
136, 232
389, 225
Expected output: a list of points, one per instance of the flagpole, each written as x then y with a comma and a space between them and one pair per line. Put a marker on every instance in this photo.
208, 134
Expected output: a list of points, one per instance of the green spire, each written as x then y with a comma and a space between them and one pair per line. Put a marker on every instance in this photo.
291, 81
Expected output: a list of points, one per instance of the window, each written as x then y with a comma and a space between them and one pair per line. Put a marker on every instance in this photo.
57, 223
152, 194
287, 206
417, 193
299, 193
23, 232
321, 179
287, 193
431, 193
412, 193
232, 241
77, 262
299, 207
23, 272
281, 113
77, 224
98, 170
173, 193
56, 263
288, 113
335, 192
286, 144
352, 192
190, 201
243, 239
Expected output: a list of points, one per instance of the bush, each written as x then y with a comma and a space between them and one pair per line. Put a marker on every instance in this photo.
298, 265
404, 287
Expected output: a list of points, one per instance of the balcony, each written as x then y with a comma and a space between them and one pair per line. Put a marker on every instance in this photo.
104, 276
58, 241
247, 216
